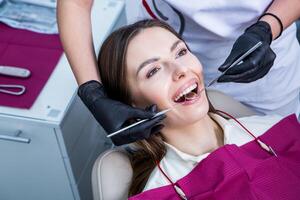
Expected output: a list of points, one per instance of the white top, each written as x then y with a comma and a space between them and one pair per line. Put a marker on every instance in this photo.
177, 164
211, 28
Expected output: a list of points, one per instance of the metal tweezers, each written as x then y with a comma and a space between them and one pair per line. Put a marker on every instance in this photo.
6, 89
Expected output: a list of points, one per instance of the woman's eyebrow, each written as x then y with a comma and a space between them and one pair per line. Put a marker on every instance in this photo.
175, 45
151, 60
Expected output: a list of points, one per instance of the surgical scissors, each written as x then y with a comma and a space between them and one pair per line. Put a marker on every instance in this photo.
10, 86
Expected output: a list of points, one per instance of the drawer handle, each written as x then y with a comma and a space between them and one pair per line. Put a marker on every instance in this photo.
15, 138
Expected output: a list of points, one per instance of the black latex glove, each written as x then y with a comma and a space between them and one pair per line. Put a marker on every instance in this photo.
141, 131
112, 114
258, 63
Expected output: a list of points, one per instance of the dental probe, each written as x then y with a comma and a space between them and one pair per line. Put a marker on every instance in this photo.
236, 62
141, 121
144, 120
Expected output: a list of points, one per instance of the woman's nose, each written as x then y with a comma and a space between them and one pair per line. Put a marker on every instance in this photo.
179, 71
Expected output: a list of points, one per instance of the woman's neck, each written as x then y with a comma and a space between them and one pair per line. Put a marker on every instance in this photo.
196, 139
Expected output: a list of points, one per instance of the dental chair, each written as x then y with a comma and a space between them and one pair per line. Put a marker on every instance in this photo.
112, 171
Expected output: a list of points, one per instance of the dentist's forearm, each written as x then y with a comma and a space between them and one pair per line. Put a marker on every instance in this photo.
288, 11
74, 23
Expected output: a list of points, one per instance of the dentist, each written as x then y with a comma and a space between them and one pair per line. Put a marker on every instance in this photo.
218, 32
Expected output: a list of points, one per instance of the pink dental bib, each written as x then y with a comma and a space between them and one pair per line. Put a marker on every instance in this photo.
245, 172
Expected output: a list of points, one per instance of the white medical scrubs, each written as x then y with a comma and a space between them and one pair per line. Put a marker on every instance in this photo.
211, 28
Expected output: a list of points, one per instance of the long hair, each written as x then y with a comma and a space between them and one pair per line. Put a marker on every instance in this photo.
112, 68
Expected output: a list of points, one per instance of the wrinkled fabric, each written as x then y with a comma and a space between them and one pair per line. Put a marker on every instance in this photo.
37, 16
36, 52
245, 172
178, 164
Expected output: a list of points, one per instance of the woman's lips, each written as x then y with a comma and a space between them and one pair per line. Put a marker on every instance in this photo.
195, 99
184, 87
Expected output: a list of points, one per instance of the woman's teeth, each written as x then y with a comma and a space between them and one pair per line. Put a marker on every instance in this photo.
190, 96
186, 91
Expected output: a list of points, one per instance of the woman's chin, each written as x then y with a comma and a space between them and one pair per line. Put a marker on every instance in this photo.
186, 115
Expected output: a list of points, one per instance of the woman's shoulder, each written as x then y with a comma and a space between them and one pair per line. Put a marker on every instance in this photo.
257, 125
260, 122
174, 166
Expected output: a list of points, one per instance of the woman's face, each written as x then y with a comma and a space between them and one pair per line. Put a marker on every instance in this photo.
160, 71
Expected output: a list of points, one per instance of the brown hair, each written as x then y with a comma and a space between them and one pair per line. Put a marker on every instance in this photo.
112, 67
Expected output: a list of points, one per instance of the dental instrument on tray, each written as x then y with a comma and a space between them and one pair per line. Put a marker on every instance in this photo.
14, 71
240, 59
7, 91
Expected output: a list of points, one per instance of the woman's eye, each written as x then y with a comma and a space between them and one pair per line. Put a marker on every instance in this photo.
182, 52
152, 72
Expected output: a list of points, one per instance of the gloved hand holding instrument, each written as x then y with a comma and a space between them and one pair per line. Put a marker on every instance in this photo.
113, 115
236, 62
257, 64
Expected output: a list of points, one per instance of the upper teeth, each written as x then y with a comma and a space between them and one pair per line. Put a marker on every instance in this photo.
187, 90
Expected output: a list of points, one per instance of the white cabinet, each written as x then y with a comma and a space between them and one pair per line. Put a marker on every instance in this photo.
41, 160
47, 152
35, 169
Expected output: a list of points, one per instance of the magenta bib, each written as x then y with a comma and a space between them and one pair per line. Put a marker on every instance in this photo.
245, 172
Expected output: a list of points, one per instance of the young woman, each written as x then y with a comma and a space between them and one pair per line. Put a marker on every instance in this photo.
148, 63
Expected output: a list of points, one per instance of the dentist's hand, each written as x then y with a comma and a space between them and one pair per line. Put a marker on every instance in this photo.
112, 115
258, 63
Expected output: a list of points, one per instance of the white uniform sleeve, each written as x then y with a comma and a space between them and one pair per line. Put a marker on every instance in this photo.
135, 11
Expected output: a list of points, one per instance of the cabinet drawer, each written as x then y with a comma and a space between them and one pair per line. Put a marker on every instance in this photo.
33, 169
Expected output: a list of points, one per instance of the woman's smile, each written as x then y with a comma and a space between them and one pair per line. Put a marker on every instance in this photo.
189, 93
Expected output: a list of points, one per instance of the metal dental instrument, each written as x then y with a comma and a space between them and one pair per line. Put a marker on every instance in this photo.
7, 91
14, 71
236, 62
139, 122
144, 120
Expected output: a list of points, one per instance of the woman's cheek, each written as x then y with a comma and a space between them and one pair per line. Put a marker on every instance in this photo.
155, 96
194, 61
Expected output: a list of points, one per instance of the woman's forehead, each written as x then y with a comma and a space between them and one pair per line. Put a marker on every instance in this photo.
150, 42
153, 37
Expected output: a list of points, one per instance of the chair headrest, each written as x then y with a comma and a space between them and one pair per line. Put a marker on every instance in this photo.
111, 175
